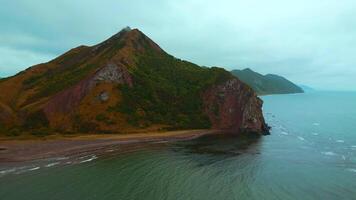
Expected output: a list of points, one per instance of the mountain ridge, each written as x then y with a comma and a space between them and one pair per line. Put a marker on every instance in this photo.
266, 84
126, 83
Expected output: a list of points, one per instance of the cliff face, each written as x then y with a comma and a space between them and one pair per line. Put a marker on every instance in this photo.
125, 84
234, 106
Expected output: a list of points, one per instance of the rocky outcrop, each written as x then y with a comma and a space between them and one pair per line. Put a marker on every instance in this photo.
66, 101
113, 73
235, 107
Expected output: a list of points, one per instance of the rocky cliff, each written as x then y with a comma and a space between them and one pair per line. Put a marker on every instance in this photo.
126, 84
234, 106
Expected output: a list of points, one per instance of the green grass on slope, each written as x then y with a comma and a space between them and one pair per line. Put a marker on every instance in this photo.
167, 90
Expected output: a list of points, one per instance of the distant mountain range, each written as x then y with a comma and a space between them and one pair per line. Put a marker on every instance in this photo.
266, 84
307, 88
125, 84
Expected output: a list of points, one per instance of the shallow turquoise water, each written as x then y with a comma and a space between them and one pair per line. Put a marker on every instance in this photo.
311, 154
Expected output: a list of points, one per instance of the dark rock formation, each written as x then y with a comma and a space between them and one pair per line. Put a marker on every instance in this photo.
234, 106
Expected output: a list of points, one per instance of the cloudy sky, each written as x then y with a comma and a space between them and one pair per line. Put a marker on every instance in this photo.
310, 42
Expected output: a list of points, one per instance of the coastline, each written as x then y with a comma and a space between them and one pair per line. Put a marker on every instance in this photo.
17, 151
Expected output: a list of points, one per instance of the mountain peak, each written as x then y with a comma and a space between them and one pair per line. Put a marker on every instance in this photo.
132, 38
248, 70
127, 28
121, 32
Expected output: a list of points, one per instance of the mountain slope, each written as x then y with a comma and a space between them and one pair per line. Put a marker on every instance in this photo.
126, 84
307, 88
266, 84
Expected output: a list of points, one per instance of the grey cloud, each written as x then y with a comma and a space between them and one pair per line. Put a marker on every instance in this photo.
308, 41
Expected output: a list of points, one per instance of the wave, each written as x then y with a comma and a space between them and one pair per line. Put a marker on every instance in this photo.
90, 159
284, 133
351, 170
329, 153
52, 164
6, 171
33, 169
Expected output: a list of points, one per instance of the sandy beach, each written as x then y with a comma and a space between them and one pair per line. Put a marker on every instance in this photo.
34, 149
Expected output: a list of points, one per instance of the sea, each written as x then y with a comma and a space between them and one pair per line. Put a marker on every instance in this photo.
310, 154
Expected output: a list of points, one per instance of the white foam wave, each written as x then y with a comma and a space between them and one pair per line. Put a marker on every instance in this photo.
33, 169
301, 138
6, 171
351, 170
88, 160
316, 124
340, 141
329, 153
284, 133
315, 134
52, 164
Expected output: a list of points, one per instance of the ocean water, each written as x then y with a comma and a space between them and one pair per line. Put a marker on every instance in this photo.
311, 154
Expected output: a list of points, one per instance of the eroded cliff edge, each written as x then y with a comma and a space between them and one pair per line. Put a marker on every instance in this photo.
234, 106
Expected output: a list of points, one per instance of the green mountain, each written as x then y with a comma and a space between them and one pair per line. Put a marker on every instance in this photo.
266, 84
125, 84
307, 88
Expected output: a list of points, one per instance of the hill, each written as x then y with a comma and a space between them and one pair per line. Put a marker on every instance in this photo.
307, 88
266, 84
125, 84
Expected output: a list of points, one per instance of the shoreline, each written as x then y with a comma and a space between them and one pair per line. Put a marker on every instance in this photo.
18, 151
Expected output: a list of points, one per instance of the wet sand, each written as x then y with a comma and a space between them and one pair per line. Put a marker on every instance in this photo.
35, 149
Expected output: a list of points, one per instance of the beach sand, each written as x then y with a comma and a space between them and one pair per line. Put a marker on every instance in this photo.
12, 150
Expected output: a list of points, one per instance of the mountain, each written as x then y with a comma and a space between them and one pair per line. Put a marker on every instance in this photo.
125, 84
307, 88
266, 84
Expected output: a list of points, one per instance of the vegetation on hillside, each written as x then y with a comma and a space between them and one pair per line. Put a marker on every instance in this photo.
167, 91
266, 84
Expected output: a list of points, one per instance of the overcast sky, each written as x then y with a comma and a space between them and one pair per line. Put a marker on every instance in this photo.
311, 42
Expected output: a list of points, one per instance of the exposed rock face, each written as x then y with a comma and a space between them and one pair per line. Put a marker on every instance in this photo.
66, 101
235, 107
104, 96
113, 73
